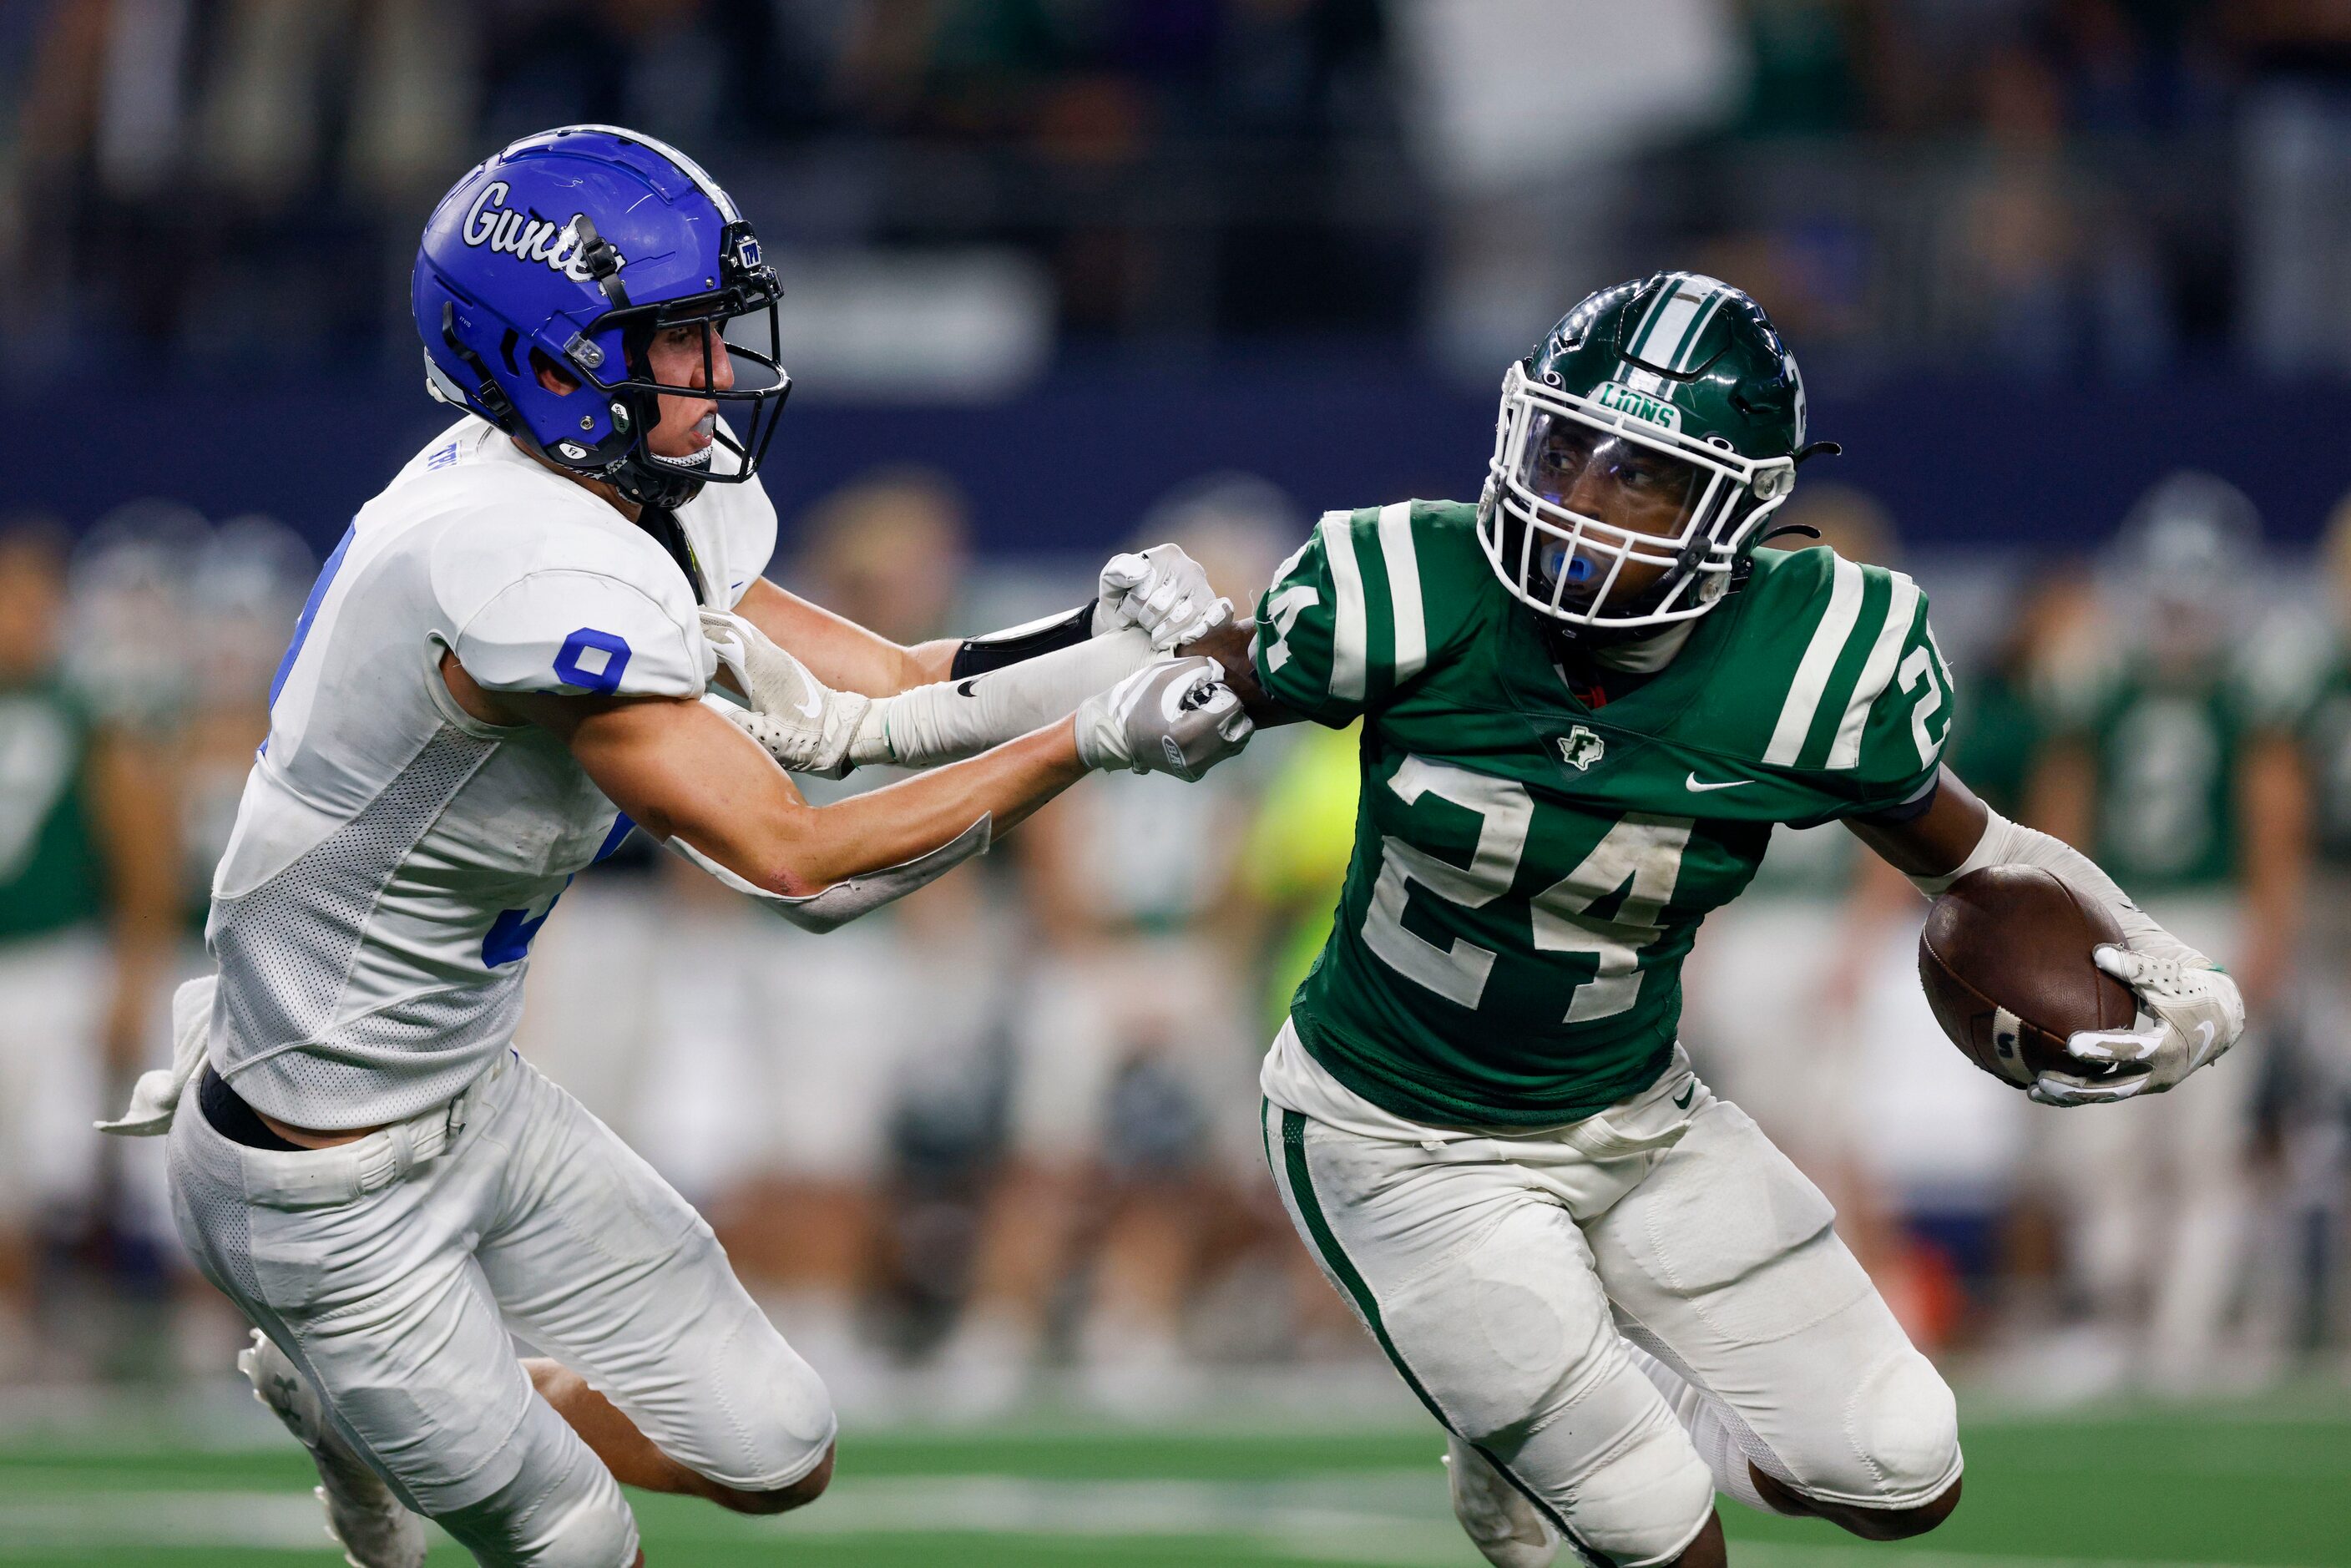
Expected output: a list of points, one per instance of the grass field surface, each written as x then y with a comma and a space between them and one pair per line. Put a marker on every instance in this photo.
2240, 1487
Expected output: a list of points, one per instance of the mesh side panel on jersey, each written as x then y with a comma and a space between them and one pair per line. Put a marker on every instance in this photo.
413, 1056
210, 1180
286, 947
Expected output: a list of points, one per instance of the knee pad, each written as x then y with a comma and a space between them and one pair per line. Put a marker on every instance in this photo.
1904, 1427
1643, 1504
778, 1416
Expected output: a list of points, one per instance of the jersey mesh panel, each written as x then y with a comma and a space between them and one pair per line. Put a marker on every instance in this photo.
285, 951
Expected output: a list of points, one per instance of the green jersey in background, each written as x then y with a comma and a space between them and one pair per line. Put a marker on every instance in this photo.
2327, 733
51, 877
1997, 740
1529, 871
2165, 750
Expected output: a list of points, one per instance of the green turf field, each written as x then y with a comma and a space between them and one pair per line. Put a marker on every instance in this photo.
2266, 1486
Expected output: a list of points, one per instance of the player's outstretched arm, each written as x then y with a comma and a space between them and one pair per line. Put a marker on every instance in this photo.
2198, 1013
684, 773
681, 771
1160, 591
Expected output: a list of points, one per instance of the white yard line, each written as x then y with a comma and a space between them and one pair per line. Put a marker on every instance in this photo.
131, 1518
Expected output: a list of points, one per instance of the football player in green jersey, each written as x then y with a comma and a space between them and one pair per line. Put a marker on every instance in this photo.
2325, 733
1586, 703
84, 847
2177, 766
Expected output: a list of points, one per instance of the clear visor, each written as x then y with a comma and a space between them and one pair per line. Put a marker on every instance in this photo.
1620, 510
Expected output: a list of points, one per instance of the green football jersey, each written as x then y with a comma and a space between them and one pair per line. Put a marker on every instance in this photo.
1997, 740
50, 873
2327, 733
2165, 754
1529, 872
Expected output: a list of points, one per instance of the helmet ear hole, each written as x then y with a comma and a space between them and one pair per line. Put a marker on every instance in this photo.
552, 376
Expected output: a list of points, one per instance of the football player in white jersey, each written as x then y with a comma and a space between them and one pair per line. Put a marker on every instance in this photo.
503, 663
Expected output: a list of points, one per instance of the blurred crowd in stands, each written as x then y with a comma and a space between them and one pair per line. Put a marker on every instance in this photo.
962, 1157
2054, 188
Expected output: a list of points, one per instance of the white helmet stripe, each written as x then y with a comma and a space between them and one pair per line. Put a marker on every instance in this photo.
1686, 360
1672, 323
694, 171
1636, 346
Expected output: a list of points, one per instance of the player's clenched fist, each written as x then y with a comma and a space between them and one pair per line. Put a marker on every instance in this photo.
1175, 717
1161, 590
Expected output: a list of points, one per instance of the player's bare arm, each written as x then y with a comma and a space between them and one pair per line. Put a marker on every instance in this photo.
679, 769
2273, 789
1159, 591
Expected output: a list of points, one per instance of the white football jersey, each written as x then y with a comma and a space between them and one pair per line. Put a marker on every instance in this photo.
393, 856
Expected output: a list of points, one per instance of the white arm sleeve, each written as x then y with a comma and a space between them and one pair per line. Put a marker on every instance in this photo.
2012, 843
845, 900
955, 719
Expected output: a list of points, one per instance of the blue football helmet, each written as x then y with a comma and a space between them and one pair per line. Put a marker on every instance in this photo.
573, 248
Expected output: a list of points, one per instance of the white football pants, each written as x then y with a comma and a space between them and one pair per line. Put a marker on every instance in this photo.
1510, 1280
392, 1283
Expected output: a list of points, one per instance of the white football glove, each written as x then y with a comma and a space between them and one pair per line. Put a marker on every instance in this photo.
2197, 1013
1177, 716
1163, 592
803, 723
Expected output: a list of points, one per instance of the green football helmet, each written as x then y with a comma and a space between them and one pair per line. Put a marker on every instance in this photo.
1675, 401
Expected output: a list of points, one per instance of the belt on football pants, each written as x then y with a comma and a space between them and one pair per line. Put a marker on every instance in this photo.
309, 1178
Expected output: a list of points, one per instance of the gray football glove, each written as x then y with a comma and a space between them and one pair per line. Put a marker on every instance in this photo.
2197, 1015
1175, 718
803, 723
1161, 590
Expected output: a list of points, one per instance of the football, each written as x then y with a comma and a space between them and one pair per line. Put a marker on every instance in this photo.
2005, 962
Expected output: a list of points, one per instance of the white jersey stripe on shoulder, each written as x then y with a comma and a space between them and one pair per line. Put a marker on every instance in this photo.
694, 171
1902, 608
1402, 559
1813, 670
1349, 645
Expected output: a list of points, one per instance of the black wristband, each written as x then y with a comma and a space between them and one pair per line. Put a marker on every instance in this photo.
997, 649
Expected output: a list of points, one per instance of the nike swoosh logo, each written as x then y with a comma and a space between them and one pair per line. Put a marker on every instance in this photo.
1682, 1101
810, 708
1699, 786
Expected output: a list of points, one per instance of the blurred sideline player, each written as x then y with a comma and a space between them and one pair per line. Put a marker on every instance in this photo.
2177, 766
831, 1032
2318, 1149
511, 640
1131, 1062
85, 923
1586, 703
1999, 738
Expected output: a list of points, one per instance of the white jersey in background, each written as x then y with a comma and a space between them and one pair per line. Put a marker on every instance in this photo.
393, 857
